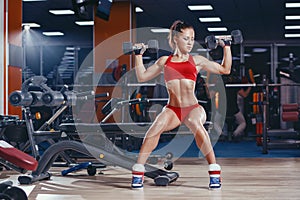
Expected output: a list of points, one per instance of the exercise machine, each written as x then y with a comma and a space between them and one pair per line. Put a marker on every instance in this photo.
110, 155
92, 144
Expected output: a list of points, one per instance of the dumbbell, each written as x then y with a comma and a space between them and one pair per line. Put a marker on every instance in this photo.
152, 47
290, 112
9, 192
31, 98
212, 41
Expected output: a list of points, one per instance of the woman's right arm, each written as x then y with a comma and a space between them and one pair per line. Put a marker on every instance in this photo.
151, 72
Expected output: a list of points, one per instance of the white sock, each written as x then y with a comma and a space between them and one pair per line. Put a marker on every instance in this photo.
214, 167
138, 167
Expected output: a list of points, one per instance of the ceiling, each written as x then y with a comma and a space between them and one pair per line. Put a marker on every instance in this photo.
259, 20
38, 12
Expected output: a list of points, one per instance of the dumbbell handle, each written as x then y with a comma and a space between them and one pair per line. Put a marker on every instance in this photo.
224, 37
135, 47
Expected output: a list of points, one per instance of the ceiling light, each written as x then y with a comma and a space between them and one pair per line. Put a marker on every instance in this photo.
247, 55
200, 7
138, 9
217, 29
292, 5
292, 17
210, 19
291, 35
26, 27
54, 33
160, 30
259, 50
292, 27
31, 25
85, 23
62, 12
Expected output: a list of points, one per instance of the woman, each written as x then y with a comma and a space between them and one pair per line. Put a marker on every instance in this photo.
180, 72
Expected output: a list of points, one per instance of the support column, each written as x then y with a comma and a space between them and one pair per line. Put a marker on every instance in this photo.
108, 39
3, 64
14, 52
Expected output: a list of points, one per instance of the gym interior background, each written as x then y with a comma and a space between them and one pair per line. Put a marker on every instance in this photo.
270, 45
87, 51
268, 48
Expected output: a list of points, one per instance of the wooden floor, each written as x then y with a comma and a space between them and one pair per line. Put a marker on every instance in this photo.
243, 178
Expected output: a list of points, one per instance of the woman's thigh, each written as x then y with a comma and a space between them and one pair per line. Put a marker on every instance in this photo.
165, 121
197, 114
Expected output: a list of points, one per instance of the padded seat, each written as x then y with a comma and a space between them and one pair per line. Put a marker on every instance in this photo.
17, 157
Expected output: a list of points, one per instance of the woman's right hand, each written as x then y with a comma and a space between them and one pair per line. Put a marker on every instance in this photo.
224, 42
139, 48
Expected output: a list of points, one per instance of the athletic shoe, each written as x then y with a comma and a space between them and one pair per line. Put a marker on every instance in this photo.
138, 171
214, 176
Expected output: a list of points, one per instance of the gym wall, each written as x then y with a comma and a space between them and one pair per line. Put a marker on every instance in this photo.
105, 48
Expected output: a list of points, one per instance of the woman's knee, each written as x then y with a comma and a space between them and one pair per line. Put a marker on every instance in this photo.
159, 123
157, 128
193, 123
197, 128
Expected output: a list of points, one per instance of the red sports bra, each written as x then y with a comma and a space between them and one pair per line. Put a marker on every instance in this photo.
180, 70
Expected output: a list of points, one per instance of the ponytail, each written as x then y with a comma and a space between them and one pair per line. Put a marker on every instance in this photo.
176, 27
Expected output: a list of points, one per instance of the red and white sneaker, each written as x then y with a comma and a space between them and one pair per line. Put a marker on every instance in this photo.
138, 171
214, 176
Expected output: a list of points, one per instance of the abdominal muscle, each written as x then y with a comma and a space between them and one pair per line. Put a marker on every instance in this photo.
181, 92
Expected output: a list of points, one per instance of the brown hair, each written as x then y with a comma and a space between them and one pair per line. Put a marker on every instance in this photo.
176, 27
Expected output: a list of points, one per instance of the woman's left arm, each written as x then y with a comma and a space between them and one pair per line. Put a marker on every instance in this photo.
214, 67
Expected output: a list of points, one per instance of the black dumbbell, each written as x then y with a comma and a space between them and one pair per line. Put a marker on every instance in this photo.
9, 192
152, 47
15, 193
4, 185
212, 41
